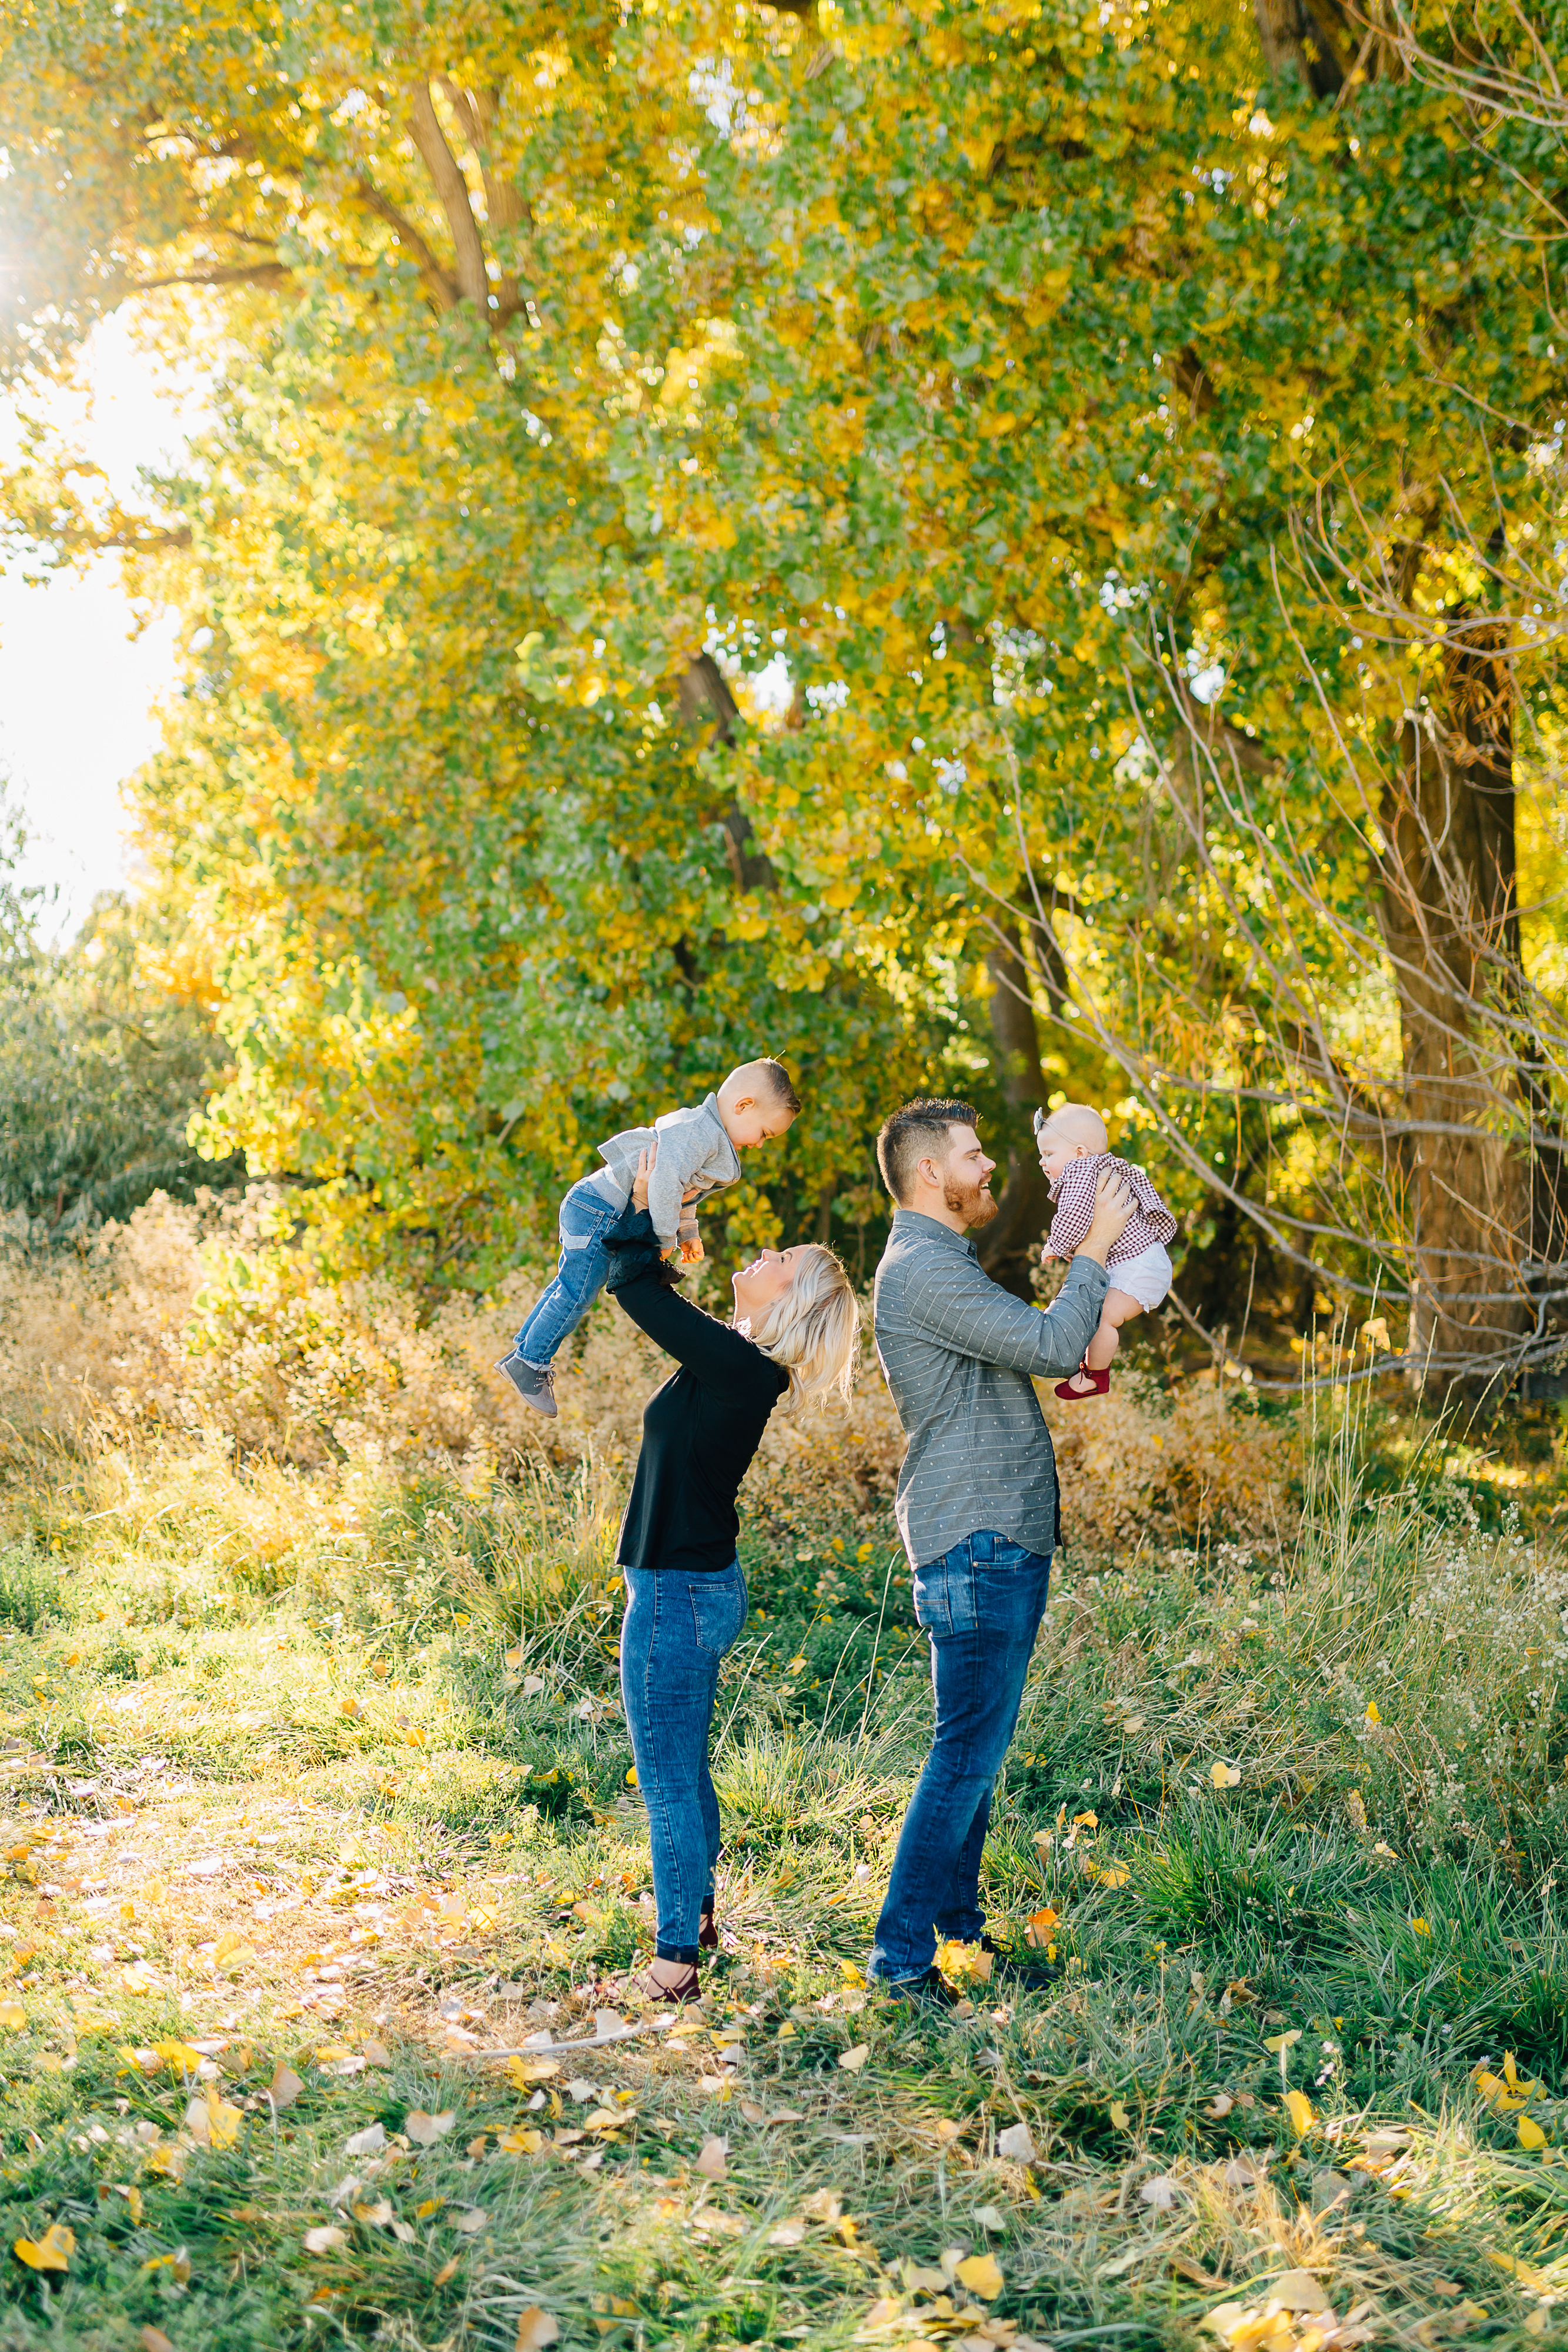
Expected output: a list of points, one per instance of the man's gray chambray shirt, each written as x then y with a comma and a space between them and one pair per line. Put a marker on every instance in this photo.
958, 1351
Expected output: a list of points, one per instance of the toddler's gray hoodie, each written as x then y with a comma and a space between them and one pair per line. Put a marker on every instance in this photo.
693, 1150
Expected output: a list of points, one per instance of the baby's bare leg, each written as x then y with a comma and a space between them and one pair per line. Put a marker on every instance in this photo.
1120, 1308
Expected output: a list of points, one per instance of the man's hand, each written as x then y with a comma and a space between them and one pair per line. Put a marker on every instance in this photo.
1113, 1204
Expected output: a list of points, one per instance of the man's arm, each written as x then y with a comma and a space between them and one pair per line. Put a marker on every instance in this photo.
948, 1299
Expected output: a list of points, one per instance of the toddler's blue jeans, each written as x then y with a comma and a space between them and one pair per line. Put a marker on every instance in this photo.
980, 1604
586, 1216
677, 1626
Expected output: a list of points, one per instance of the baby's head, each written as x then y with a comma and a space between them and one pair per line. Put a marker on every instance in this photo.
1072, 1132
757, 1102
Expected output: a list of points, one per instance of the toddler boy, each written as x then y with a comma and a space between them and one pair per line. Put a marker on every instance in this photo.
1074, 1151
698, 1152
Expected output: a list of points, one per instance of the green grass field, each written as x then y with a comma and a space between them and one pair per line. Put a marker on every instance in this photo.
316, 1791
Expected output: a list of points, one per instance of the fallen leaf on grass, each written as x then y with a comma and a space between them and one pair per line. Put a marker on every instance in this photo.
1016, 2144
425, 2130
519, 2142
1225, 1776
447, 2272
1530, 2135
470, 2220
1299, 2108
325, 2241
52, 2251
1298, 2291
231, 1952
1040, 1926
13, 2016
285, 2086
377, 2216
712, 2159
1121, 2120
212, 2122
788, 2234
1161, 2193
852, 2061
536, 2329
982, 2274
152, 2339
377, 2054
524, 2073
990, 2216
1221, 2104
367, 2142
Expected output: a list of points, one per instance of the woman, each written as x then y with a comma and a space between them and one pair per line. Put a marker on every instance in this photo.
790, 1343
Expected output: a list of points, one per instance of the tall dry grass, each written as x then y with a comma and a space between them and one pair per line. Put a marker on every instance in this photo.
189, 1323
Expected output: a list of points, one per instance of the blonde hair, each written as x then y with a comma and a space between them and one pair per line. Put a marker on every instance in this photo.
810, 1331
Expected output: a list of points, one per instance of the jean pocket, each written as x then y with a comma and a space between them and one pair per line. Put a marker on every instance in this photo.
718, 1611
945, 1593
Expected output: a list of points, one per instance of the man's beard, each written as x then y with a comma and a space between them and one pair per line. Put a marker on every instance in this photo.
971, 1202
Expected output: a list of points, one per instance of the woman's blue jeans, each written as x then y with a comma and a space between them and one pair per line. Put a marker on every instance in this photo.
980, 1604
586, 1216
676, 1629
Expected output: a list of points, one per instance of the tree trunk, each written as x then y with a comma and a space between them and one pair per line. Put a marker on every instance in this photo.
1450, 922
1003, 1246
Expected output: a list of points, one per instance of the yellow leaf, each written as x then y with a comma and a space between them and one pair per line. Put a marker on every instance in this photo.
851, 1974
1374, 1713
13, 2016
1225, 1776
1299, 2108
632, 1776
325, 2241
982, 2276
1419, 1927
536, 2330
52, 2251
520, 2141
1119, 2118
524, 2073
852, 2061
1530, 2135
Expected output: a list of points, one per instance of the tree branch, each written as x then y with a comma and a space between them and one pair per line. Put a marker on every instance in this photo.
438, 283
452, 188
239, 273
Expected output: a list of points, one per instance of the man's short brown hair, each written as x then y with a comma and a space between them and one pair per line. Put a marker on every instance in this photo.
915, 1132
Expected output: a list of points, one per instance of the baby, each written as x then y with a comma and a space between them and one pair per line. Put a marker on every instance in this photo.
1073, 1150
697, 1153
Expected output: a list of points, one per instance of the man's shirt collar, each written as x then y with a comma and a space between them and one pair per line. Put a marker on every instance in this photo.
920, 1227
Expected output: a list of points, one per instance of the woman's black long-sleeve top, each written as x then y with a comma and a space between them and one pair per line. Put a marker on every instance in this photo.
700, 1429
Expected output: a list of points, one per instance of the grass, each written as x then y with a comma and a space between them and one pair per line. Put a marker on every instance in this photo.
312, 1772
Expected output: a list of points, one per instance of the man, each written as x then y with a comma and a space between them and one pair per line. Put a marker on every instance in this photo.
977, 1500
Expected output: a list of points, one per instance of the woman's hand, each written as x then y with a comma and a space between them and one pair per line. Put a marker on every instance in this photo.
646, 1162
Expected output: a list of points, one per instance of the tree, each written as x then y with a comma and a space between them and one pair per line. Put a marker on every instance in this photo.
994, 370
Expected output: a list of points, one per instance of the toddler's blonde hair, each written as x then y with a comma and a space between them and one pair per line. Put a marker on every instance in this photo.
810, 1331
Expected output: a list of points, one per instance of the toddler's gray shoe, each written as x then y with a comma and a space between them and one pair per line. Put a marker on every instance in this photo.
535, 1388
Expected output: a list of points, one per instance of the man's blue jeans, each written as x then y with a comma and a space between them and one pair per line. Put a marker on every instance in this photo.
981, 1605
586, 1216
677, 1626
